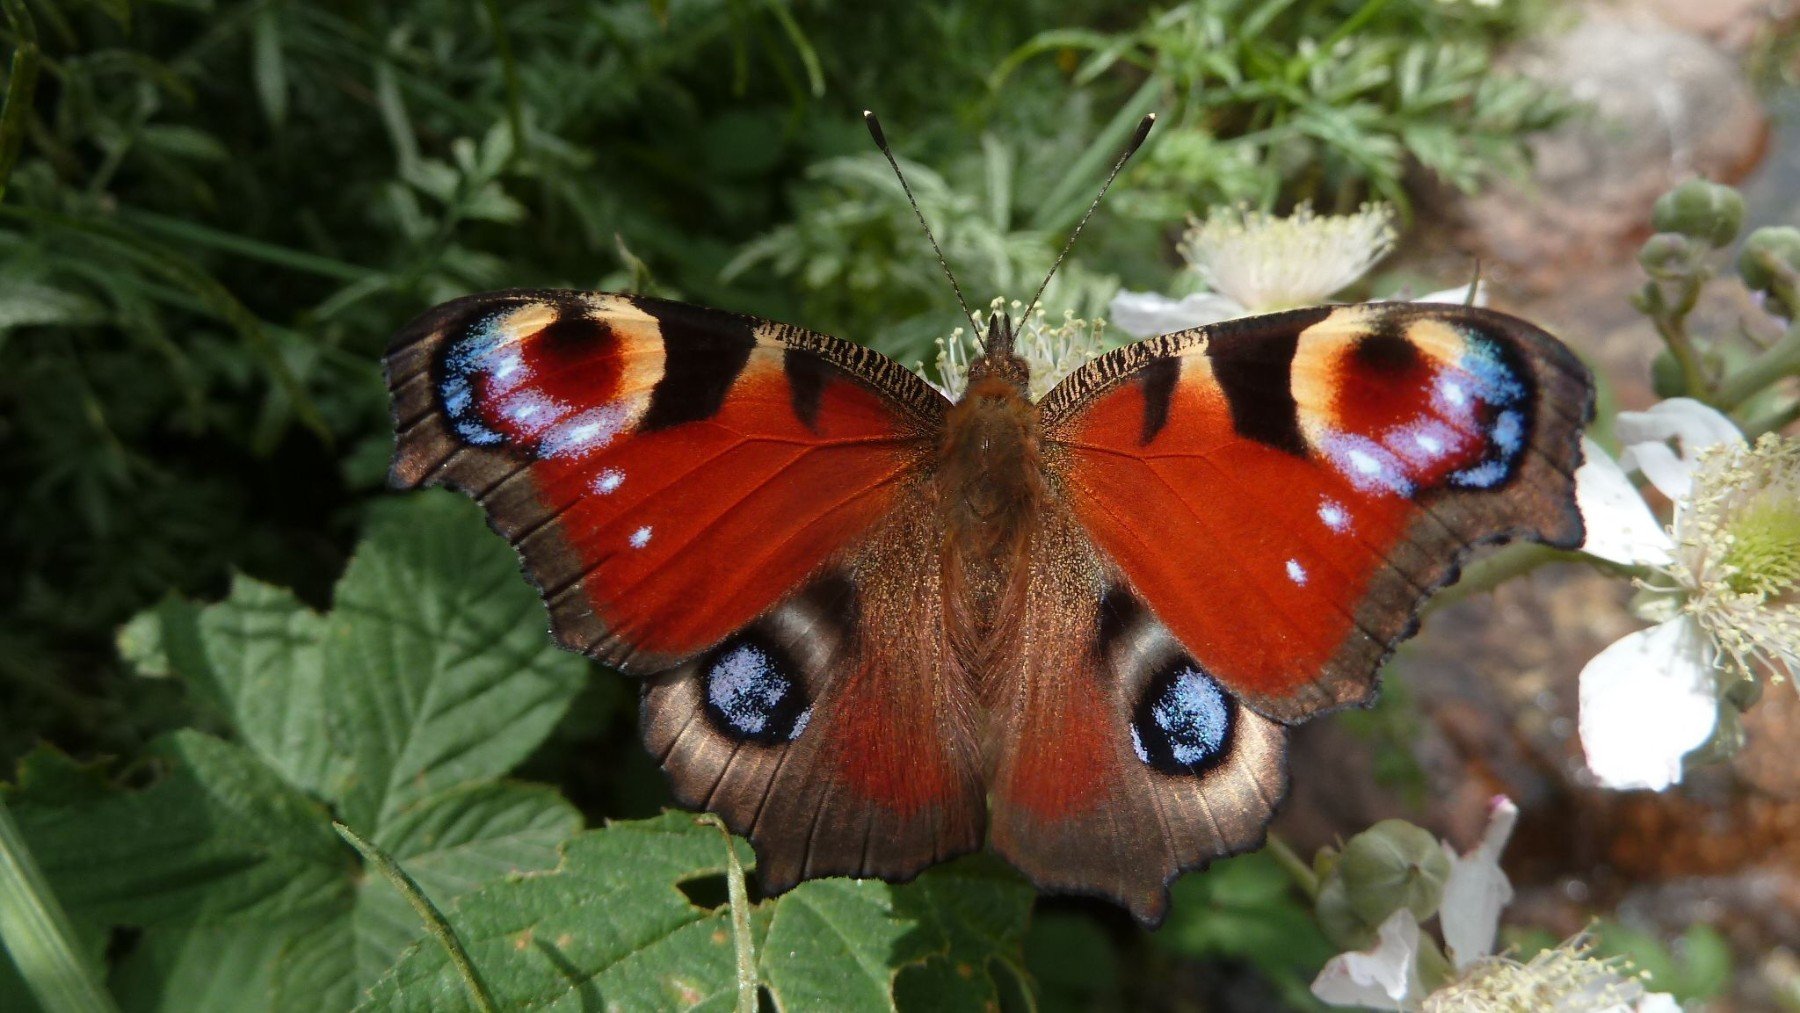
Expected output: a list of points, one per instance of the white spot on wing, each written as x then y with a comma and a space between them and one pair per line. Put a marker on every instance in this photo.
1334, 515
1296, 572
640, 537
608, 480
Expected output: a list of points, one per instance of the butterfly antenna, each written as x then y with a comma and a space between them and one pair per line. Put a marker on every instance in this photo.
881, 142
1137, 140
1474, 286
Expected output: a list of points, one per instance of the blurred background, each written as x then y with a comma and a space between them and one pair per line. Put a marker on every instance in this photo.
216, 212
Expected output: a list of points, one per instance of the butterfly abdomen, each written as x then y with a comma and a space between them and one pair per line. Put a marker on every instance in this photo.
990, 488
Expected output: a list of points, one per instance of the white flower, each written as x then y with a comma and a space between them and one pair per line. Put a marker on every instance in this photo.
1566, 977
1051, 352
1727, 574
1385, 976
1251, 262
1477, 889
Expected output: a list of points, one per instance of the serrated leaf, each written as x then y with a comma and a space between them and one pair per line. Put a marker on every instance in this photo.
437, 660
452, 843
609, 928
221, 836
255, 660
430, 678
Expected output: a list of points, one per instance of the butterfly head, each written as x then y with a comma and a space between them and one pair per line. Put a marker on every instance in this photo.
997, 358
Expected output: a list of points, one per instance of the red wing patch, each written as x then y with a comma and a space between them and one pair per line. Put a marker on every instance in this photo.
1117, 762
836, 731
1285, 491
666, 472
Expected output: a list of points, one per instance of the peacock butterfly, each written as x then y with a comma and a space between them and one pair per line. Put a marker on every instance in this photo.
880, 629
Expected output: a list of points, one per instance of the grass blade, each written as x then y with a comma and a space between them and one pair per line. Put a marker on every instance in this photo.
38, 934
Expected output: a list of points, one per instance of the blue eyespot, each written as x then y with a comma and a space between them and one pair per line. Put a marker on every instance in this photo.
752, 691
1184, 721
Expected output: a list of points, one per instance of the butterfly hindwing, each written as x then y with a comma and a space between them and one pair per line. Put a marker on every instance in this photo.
837, 732
1284, 491
1119, 761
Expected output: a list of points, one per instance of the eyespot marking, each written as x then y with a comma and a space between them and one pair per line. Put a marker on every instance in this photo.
1183, 723
752, 691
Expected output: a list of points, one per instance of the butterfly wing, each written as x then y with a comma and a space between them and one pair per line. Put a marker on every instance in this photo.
1120, 762
1245, 521
1285, 491
717, 497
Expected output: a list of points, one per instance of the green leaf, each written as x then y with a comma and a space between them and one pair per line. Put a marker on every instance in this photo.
1246, 907
436, 660
430, 678
452, 843
611, 928
220, 836
268, 65
255, 660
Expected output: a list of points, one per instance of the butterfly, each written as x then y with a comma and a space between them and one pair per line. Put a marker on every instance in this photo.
878, 629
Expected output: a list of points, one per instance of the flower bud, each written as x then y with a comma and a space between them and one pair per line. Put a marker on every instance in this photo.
1340, 924
1393, 865
1705, 211
1666, 379
1668, 255
1771, 254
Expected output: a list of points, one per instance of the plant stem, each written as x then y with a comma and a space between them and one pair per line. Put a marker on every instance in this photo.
1671, 325
1296, 868
739, 898
1773, 422
38, 935
434, 920
1768, 368
1491, 571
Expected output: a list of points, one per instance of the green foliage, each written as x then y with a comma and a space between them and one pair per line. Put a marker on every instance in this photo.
1246, 908
1273, 101
611, 926
398, 711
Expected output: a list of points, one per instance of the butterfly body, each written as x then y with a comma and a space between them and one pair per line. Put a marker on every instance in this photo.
879, 629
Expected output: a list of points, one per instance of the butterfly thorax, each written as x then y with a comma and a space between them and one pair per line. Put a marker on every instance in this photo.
990, 484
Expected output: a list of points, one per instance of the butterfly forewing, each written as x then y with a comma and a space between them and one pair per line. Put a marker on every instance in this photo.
1285, 491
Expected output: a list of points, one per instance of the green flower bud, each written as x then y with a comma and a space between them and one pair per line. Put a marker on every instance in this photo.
1665, 375
1771, 254
1706, 211
1340, 924
1668, 255
1392, 865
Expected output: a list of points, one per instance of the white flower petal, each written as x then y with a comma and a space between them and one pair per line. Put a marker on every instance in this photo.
1691, 424
1458, 296
1620, 526
1147, 314
1477, 889
1385, 977
1647, 701
1657, 1002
